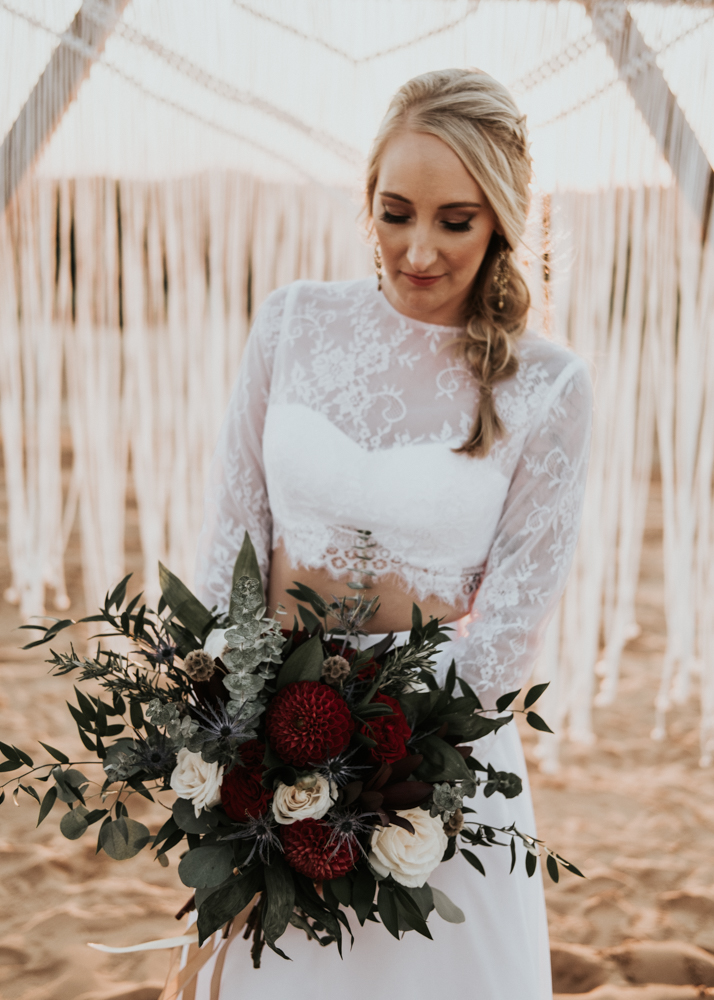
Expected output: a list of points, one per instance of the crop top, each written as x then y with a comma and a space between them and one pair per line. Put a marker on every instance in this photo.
339, 442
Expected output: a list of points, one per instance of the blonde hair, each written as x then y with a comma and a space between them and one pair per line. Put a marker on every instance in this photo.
477, 117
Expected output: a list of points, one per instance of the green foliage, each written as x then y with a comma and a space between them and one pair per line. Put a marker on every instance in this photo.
123, 838
148, 710
441, 762
304, 664
185, 607
204, 867
228, 901
445, 908
74, 823
246, 564
279, 899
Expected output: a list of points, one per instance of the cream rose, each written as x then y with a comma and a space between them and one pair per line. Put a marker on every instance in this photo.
409, 858
194, 779
309, 798
215, 644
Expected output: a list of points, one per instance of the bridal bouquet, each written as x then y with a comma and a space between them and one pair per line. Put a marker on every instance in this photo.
303, 775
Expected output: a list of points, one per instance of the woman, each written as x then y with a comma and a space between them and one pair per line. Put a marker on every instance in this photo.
405, 434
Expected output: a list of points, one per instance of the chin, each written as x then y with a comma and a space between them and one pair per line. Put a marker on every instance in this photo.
426, 299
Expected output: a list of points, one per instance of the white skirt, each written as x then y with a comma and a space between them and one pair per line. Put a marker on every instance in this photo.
501, 952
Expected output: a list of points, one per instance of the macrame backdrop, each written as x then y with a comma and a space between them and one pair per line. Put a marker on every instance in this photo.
129, 272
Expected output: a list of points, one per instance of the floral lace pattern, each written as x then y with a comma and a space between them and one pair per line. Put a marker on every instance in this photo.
341, 427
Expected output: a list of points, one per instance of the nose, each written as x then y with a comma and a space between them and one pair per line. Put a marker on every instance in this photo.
422, 252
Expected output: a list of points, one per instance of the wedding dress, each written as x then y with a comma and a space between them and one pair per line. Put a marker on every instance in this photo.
338, 442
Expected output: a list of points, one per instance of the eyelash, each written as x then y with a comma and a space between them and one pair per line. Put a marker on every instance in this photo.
453, 227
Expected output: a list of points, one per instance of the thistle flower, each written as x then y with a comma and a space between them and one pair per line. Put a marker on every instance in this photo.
220, 735
156, 755
163, 653
339, 770
351, 613
335, 669
262, 831
346, 828
199, 665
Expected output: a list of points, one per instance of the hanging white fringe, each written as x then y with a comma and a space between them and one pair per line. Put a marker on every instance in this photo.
143, 292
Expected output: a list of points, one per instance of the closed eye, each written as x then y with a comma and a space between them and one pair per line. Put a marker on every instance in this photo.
396, 220
458, 227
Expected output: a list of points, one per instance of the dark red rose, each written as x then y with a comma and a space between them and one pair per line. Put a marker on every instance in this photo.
307, 850
243, 795
251, 756
391, 732
307, 722
367, 672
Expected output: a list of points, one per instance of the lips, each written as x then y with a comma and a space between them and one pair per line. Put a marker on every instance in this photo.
422, 281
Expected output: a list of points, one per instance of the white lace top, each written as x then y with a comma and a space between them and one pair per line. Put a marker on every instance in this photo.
339, 442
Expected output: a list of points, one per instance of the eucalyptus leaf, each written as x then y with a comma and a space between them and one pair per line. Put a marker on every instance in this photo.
206, 866
68, 782
73, 824
446, 909
186, 819
123, 838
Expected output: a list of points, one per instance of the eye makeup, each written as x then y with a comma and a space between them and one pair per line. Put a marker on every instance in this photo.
453, 227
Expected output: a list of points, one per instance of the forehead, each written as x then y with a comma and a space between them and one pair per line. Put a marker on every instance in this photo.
420, 166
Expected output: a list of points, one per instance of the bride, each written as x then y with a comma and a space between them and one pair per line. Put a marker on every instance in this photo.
406, 434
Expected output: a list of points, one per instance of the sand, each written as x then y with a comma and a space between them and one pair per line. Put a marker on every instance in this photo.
636, 816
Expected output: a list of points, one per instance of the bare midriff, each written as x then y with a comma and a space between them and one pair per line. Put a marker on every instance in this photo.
395, 599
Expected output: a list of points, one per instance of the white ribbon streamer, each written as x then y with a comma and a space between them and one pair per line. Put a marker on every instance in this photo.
174, 942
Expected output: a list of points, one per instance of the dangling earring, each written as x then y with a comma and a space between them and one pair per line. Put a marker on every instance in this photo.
378, 265
500, 274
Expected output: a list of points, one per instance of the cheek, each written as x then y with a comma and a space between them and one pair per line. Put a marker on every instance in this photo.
392, 240
465, 256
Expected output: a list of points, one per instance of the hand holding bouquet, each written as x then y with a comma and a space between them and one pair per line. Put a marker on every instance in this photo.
300, 774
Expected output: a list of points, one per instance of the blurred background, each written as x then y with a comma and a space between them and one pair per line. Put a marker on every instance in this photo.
164, 164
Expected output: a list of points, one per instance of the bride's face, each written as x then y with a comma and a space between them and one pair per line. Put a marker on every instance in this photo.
433, 224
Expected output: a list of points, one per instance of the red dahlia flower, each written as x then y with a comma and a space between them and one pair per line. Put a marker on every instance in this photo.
242, 794
307, 722
391, 732
308, 851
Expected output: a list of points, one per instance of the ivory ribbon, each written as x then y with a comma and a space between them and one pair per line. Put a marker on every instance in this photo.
185, 979
172, 942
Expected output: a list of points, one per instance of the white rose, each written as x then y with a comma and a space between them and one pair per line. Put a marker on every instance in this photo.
194, 779
409, 858
215, 644
309, 798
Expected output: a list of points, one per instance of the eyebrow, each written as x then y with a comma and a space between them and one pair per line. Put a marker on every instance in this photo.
452, 204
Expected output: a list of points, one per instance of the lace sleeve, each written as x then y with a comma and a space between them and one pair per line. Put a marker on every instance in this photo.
529, 560
236, 497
